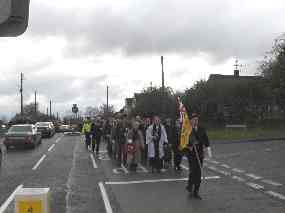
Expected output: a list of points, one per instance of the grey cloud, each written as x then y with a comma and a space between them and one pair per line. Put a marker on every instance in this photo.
153, 27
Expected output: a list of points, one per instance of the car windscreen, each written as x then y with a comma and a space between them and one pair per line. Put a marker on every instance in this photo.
20, 129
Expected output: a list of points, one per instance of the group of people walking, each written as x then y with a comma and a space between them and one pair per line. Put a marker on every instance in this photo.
150, 142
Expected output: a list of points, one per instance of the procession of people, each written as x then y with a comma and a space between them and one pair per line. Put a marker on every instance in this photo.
158, 144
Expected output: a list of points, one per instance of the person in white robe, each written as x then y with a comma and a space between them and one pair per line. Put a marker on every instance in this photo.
156, 138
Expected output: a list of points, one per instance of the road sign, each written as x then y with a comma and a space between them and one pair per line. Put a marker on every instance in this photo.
32, 200
75, 108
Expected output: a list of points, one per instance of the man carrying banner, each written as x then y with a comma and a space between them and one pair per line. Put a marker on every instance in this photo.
193, 139
198, 139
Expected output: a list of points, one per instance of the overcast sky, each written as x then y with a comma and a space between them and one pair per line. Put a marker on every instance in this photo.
73, 49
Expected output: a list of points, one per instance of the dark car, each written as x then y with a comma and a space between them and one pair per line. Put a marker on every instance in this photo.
46, 128
22, 135
1, 150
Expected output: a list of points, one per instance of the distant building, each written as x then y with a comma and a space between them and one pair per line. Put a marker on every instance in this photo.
224, 111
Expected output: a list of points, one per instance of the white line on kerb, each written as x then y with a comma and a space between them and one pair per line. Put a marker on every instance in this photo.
255, 186
155, 181
255, 177
275, 194
39, 162
93, 161
124, 169
105, 198
273, 183
51, 148
9, 199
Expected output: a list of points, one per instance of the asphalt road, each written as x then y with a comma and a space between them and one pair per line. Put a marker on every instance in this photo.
242, 177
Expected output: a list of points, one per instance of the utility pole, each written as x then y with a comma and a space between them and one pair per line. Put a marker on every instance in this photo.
47, 111
163, 88
35, 102
21, 91
50, 108
107, 101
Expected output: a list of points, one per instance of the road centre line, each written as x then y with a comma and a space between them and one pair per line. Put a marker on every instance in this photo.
93, 161
57, 140
271, 182
154, 181
275, 194
51, 148
255, 177
254, 185
39, 162
9, 199
105, 198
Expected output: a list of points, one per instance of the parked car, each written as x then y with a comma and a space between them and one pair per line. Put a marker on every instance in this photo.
65, 128
46, 128
1, 150
22, 135
3, 129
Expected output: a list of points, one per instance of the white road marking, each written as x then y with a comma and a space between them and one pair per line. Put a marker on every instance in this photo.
105, 198
115, 171
255, 177
93, 161
223, 172
9, 199
273, 183
51, 148
238, 170
143, 168
238, 178
155, 181
213, 161
275, 194
212, 168
103, 151
57, 140
39, 162
184, 167
124, 169
225, 166
254, 185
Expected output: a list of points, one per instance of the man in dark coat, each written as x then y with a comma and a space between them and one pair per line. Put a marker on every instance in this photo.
96, 136
197, 141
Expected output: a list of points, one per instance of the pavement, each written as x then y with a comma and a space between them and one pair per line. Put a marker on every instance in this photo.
241, 177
